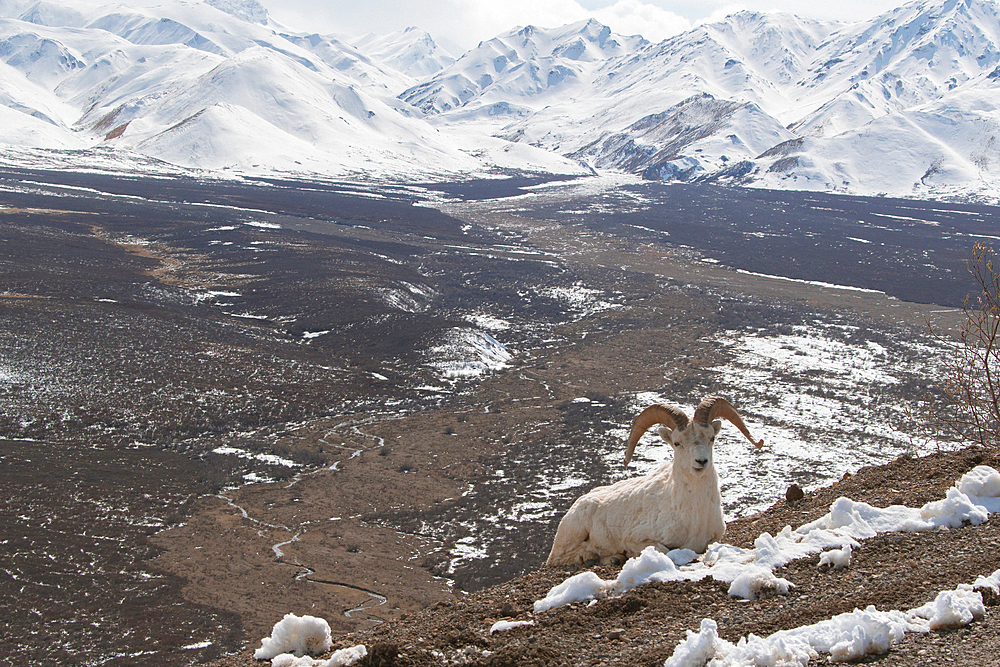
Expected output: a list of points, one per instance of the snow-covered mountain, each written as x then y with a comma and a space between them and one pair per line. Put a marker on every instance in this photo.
769, 100
501, 75
412, 52
218, 85
779, 101
920, 94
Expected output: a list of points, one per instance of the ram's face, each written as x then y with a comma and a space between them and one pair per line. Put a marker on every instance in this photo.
693, 445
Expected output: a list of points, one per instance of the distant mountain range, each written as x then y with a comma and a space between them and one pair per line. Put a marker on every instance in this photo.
904, 104
219, 86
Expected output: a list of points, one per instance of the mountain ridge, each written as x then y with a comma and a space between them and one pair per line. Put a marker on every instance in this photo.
230, 90
913, 86
829, 98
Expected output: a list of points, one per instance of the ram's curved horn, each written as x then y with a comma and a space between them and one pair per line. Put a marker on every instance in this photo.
658, 413
714, 407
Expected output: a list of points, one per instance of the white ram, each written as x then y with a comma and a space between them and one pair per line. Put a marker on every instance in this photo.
679, 505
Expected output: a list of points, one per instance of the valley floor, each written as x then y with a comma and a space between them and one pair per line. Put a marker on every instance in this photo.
224, 401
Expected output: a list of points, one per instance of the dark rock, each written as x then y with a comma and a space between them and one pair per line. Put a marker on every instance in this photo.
382, 654
794, 493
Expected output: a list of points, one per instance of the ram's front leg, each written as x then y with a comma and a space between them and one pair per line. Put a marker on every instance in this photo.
638, 548
615, 559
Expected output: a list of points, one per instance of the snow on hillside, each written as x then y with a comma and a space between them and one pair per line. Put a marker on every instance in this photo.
20, 94
846, 95
379, 78
908, 57
468, 352
412, 52
26, 130
748, 58
247, 10
513, 72
45, 13
766, 100
947, 147
719, 133
259, 110
219, 86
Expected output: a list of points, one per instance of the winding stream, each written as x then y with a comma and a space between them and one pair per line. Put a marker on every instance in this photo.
305, 573
376, 599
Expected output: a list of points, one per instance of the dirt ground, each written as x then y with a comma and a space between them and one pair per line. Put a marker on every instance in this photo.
891, 571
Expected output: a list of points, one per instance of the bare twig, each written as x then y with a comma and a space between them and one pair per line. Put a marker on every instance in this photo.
972, 364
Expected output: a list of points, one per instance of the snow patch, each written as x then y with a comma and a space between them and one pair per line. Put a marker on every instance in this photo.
309, 335
467, 352
750, 571
297, 635
503, 626
815, 283
408, 297
265, 458
952, 608
845, 637
488, 322
10, 376
583, 586
584, 300
991, 582
341, 658
981, 481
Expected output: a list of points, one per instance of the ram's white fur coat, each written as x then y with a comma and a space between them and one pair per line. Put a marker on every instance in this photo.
677, 506
625, 518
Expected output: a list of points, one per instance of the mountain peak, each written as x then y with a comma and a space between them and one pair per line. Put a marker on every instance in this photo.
250, 11
411, 51
525, 62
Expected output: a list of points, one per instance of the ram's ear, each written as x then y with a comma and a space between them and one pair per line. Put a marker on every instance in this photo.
717, 426
667, 434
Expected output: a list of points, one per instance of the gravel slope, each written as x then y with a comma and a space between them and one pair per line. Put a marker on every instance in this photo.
892, 571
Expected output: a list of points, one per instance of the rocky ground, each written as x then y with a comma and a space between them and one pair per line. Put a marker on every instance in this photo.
891, 571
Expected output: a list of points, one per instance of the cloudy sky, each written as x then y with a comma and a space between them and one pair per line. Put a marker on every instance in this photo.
464, 23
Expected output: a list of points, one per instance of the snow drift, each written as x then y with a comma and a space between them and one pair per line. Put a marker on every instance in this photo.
847, 636
294, 638
749, 571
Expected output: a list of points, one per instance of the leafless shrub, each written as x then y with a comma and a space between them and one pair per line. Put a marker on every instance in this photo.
971, 387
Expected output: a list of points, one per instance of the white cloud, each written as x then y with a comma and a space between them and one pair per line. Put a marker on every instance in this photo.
464, 22
467, 22
634, 17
